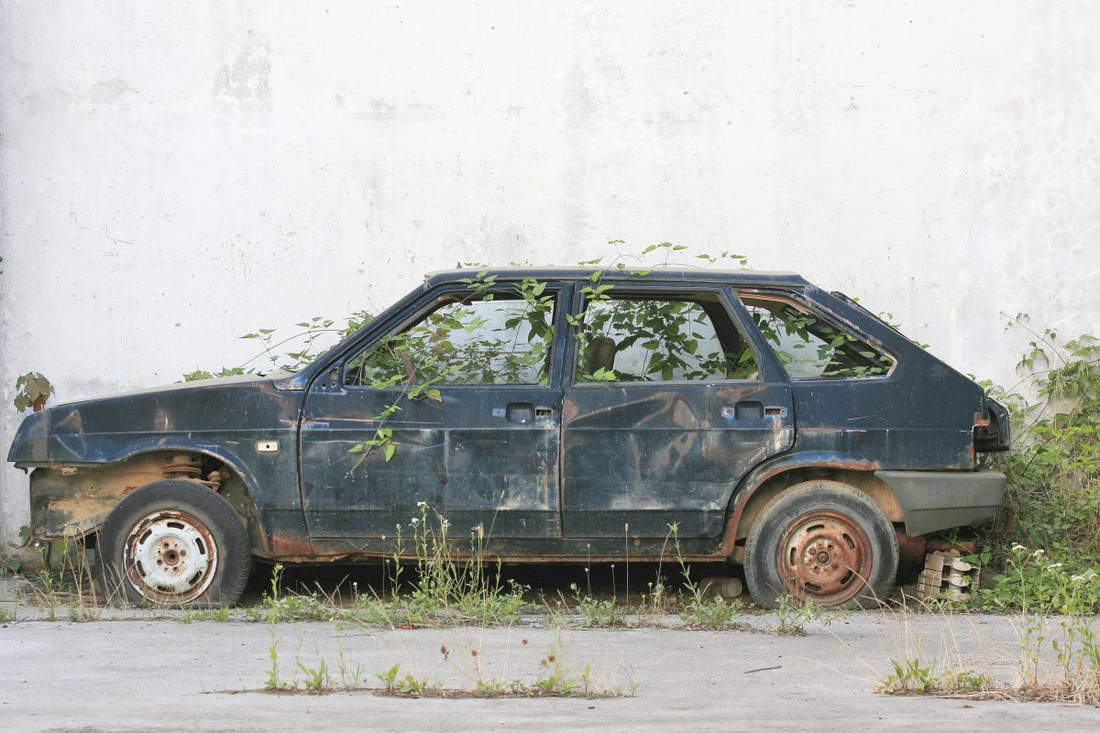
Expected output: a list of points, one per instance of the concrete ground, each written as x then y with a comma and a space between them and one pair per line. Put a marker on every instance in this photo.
138, 674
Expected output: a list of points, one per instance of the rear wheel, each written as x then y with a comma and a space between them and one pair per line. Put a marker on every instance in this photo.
823, 541
175, 543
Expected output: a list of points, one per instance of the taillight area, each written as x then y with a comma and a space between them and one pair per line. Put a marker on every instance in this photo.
991, 429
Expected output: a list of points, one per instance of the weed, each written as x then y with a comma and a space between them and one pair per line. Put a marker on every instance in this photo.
1032, 582
1053, 497
415, 686
408, 685
708, 613
1072, 638
273, 682
793, 614
595, 612
389, 678
317, 679
714, 614
350, 677
913, 677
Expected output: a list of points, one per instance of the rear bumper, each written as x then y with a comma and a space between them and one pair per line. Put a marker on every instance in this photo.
935, 500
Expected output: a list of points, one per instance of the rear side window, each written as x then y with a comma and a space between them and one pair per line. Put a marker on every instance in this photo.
661, 339
810, 347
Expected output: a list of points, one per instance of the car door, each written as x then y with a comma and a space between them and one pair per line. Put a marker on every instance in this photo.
456, 410
667, 406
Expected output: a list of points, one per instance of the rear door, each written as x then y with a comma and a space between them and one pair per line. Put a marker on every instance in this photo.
458, 407
667, 405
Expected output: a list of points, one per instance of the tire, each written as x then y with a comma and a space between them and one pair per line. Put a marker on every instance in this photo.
822, 541
174, 543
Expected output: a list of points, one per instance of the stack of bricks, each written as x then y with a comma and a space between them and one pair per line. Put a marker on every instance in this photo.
948, 575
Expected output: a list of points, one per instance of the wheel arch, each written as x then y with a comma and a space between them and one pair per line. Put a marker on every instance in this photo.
767, 481
74, 499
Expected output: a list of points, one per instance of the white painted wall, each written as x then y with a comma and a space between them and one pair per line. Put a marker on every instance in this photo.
173, 175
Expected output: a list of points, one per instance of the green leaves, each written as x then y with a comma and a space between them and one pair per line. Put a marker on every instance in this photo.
32, 390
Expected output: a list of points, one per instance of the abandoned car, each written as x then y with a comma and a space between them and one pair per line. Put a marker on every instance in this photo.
560, 415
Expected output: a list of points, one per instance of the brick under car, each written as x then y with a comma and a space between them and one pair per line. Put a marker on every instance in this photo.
570, 414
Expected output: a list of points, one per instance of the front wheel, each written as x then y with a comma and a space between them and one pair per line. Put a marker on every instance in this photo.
823, 541
174, 543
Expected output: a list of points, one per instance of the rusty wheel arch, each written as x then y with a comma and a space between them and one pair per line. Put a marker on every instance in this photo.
767, 482
79, 497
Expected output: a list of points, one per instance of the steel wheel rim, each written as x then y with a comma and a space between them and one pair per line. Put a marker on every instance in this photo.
170, 557
824, 556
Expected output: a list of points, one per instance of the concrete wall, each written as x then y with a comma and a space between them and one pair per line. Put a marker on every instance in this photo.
173, 175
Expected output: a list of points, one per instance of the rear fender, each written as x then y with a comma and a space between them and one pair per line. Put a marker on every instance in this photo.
803, 465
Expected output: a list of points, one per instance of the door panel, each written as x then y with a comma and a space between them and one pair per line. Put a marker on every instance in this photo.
670, 405
478, 441
469, 456
650, 454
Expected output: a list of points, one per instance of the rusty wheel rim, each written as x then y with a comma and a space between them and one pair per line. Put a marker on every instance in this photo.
824, 556
170, 557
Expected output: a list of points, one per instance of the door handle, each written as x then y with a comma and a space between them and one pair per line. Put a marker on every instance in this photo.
745, 411
753, 410
523, 413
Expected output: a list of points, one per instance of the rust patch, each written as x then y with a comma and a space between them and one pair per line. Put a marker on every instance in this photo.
290, 547
181, 465
825, 556
910, 549
66, 501
67, 498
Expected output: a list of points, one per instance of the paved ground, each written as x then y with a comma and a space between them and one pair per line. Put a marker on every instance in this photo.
138, 675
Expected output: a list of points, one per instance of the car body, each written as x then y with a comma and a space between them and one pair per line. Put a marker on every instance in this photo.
630, 403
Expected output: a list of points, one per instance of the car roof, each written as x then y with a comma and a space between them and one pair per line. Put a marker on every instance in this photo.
683, 274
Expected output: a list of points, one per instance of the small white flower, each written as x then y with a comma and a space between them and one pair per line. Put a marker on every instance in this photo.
1077, 578
415, 520
1017, 547
421, 504
1038, 553
1054, 566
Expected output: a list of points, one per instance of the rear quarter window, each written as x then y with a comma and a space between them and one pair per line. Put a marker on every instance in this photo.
810, 347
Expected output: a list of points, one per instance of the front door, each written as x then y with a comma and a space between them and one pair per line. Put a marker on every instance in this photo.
454, 412
667, 409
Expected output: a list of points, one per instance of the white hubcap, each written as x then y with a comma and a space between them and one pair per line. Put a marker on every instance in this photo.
171, 557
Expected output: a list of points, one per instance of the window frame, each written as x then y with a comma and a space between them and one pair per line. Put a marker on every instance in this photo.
437, 298
720, 294
817, 311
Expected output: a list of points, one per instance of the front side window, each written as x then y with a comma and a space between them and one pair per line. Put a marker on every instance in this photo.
809, 347
501, 339
654, 339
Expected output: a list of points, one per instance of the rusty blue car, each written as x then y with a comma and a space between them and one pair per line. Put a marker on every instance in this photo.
568, 414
